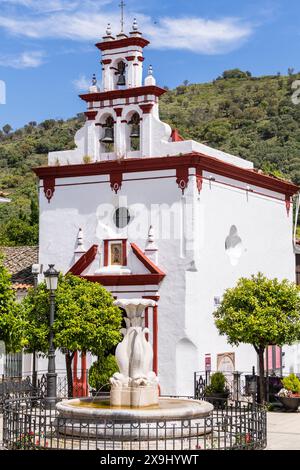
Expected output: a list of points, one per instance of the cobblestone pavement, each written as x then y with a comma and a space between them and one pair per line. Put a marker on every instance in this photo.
283, 431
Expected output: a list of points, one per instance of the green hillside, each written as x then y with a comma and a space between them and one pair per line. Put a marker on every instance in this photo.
254, 118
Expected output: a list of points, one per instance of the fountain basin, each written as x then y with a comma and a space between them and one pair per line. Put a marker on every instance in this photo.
171, 418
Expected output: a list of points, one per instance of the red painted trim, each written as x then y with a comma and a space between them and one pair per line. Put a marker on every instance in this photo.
128, 93
182, 177
126, 279
146, 261
105, 258
146, 108
288, 204
106, 61
155, 340
199, 181
84, 261
175, 136
130, 58
120, 43
49, 187
192, 160
114, 239
106, 250
80, 388
116, 178
91, 115
147, 322
118, 111
152, 297
124, 252
141, 59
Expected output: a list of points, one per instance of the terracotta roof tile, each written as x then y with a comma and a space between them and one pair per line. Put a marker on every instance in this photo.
18, 260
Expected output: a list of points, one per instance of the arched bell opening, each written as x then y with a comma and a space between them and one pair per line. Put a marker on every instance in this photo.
120, 79
134, 132
107, 140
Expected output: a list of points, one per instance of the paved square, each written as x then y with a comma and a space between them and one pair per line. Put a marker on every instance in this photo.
283, 431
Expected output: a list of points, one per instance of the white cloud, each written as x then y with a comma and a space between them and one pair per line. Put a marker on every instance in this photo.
25, 60
82, 83
87, 21
199, 35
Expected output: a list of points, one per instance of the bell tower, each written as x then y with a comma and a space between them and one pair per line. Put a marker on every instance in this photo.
123, 115
122, 59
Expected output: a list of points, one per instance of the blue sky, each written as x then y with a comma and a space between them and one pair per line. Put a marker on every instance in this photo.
47, 48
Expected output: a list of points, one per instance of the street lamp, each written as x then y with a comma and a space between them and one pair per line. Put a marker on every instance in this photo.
51, 278
36, 269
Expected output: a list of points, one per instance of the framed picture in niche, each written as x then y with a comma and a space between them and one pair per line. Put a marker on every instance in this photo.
116, 254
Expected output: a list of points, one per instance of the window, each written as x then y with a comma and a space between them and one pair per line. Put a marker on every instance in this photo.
121, 217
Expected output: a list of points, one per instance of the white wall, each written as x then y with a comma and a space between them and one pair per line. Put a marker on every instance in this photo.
197, 269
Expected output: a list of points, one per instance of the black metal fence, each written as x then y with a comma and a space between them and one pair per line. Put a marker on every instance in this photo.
31, 425
24, 386
241, 385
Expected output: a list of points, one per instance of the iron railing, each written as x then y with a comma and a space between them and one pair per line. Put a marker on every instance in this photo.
241, 385
18, 387
31, 425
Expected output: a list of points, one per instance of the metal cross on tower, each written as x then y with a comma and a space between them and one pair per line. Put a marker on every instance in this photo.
122, 5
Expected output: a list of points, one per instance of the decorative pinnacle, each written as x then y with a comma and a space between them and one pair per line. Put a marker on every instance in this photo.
135, 25
150, 70
94, 82
108, 30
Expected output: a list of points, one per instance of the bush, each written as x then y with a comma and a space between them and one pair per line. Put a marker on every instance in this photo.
101, 371
291, 383
217, 383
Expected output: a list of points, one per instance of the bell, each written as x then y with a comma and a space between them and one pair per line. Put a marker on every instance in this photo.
108, 136
135, 131
121, 80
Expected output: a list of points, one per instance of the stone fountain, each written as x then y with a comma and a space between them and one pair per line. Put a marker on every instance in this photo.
136, 385
134, 395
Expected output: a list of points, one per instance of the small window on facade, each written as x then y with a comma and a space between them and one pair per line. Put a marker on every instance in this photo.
121, 217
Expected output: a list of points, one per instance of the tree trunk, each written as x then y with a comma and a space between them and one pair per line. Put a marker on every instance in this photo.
69, 358
261, 351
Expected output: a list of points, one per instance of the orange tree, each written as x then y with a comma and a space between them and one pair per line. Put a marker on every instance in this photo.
12, 321
85, 320
261, 312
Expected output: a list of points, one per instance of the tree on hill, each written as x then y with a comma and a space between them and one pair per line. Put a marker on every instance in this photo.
7, 129
85, 320
260, 312
235, 73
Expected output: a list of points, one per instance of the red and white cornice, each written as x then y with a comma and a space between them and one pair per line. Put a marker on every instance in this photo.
122, 43
128, 93
200, 162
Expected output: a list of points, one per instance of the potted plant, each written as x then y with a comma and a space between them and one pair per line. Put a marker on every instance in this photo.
217, 392
289, 395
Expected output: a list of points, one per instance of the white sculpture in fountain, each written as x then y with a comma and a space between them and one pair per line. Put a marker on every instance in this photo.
136, 384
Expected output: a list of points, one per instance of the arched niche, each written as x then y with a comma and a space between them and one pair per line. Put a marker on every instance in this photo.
120, 76
186, 364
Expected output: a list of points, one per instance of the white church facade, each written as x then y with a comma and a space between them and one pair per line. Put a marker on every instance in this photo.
150, 215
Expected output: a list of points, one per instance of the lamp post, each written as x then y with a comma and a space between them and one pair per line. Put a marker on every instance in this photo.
36, 270
51, 278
